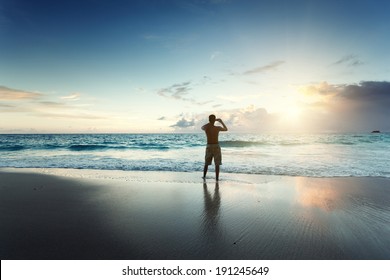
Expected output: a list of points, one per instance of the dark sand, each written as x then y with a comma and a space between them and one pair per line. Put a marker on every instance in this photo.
81, 214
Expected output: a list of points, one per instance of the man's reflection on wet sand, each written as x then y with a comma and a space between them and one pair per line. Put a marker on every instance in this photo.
210, 218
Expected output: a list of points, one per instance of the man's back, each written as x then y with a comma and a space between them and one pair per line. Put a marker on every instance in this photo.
212, 133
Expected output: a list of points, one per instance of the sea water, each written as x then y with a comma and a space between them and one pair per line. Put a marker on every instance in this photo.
314, 155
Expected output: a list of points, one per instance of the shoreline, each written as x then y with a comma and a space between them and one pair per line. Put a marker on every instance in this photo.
193, 175
107, 214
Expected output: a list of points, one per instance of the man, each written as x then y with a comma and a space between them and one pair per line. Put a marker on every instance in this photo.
213, 150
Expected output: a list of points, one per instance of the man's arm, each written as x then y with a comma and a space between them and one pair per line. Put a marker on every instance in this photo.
224, 128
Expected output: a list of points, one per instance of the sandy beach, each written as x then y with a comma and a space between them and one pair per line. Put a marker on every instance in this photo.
93, 214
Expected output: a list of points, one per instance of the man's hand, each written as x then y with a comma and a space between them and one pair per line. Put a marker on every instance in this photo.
218, 120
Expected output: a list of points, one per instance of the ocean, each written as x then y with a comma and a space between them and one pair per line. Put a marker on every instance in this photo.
312, 155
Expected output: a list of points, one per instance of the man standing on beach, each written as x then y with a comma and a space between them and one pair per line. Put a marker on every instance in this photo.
213, 150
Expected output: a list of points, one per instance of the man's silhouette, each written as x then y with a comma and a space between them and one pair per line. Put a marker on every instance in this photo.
213, 150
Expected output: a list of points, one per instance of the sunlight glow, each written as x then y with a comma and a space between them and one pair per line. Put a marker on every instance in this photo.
292, 114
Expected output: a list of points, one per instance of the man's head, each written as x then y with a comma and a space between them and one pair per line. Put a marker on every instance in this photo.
212, 119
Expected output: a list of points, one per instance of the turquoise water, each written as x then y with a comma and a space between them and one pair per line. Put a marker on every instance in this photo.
317, 155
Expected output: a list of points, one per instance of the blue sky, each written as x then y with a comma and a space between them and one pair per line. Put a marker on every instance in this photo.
164, 66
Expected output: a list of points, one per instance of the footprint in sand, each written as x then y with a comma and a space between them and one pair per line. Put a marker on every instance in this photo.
38, 188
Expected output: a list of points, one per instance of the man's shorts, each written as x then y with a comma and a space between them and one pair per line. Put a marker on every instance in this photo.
213, 151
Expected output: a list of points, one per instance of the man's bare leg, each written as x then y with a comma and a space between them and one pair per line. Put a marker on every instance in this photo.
205, 171
217, 172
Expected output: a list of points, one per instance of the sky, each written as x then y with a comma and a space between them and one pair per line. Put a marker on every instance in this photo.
160, 66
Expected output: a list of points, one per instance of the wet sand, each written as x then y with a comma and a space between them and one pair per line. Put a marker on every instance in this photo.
86, 214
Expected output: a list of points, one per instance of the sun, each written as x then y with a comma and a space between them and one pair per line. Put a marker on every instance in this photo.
292, 113
291, 117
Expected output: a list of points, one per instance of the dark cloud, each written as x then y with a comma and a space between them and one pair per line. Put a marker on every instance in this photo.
161, 118
265, 68
368, 92
355, 107
183, 123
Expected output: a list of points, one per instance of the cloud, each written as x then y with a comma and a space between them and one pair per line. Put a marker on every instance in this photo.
73, 115
176, 91
183, 123
180, 91
365, 92
40, 105
52, 109
6, 106
324, 107
151, 37
266, 68
71, 97
248, 119
323, 89
350, 60
52, 104
219, 1
162, 118
349, 107
215, 55
10, 94
368, 92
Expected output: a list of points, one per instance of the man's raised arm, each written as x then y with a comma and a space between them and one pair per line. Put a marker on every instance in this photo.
224, 128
